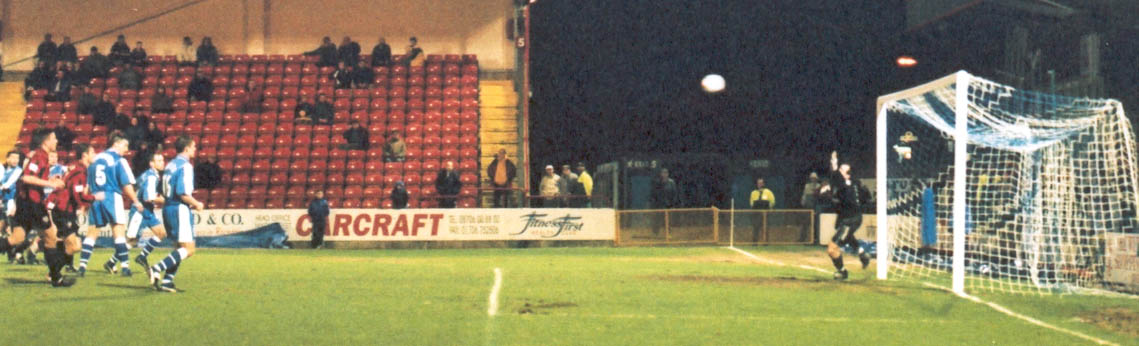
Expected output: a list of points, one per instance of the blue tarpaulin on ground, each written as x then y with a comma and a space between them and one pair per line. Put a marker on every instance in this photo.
271, 236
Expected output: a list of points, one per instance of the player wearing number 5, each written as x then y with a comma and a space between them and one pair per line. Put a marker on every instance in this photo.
177, 188
109, 175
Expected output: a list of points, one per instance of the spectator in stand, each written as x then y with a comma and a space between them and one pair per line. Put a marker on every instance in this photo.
120, 51
349, 51
326, 52
363, 76
565, 186
318, 215
66, 51
548, 188
395, 150
399, 196
47, 52
104, 112
63, 135
129, 78
447, 184
381, 54
154, 136
322, 111
501, 173
95, 66
810, 191
87, 101
136, 133
121, 121
665, 195
254, 96
187, 56
207, 54
60, 89
586, 182
413, 55
356, 136
207, 173
342, 76
161, 102
201, 88
303, 111
138, 55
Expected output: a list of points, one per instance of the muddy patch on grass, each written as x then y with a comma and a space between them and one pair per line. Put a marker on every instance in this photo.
542, 307
1120, 320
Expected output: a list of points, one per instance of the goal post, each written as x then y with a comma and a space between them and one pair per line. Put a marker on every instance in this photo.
984, 186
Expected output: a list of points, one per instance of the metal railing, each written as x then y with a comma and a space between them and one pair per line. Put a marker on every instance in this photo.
694, 226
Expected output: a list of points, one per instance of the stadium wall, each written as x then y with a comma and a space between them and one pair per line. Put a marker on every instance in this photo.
261, 26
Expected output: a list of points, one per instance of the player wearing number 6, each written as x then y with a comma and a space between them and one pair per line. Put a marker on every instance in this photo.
177, 188
107, 176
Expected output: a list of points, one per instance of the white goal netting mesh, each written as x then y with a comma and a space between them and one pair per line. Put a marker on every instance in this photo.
1049, 180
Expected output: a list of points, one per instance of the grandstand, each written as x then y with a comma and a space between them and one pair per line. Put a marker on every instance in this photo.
268, 161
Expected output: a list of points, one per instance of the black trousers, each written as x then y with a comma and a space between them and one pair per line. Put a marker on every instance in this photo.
318, 233
501, 197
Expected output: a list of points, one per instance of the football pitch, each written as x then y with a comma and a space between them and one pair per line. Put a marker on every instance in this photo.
546, 296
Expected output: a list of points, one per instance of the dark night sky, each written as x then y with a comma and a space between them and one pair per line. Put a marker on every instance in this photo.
614, 77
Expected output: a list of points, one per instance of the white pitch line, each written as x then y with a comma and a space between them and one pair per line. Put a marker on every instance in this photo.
492, 300
992, 305
778, 263
1037, 322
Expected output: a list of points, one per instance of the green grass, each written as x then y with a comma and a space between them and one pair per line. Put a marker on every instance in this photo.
587, 296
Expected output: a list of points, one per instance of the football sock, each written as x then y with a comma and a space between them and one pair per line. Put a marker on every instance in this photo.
837, 262
122, 252
148, 246
85, 254
172, 260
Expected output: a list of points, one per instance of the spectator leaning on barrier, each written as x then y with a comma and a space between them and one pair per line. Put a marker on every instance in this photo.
120, 51
326, 52
585, 182
501, 173
548, 187
47, 52
207, 54
318, 215
413, 55
381, 54
349, 52
187, 55
567, 179
138, 54
447, 184
399, 196
67, 52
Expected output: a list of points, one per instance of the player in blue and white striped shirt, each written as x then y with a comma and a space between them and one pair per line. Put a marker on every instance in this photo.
107, 176
145, 218
11, 175
177, 188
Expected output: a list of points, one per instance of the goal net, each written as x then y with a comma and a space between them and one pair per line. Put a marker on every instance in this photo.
993, 188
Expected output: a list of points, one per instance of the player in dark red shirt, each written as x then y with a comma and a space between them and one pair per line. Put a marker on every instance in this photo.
31, 210
66, 203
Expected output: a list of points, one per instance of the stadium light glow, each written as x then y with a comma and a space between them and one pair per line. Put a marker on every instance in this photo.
906, 61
